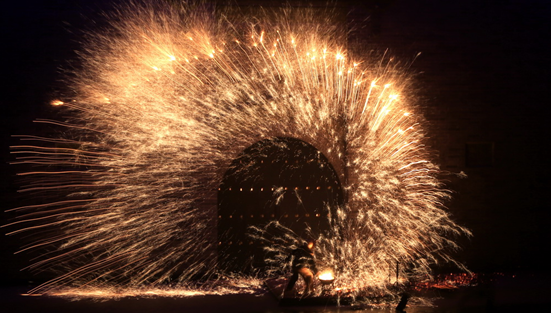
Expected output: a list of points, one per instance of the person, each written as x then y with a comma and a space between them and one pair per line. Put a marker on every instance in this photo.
303, 264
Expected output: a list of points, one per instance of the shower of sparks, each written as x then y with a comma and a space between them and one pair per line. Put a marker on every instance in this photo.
168, 97
242, 286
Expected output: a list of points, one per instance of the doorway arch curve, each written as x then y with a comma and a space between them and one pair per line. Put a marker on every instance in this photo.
278, 179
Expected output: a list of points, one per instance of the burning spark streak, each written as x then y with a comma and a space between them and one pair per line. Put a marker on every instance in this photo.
249, 286
166, 101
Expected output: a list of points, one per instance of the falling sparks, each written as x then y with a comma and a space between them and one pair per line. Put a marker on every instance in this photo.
166, 100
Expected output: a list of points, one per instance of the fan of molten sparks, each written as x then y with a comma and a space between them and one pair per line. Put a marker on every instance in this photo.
167, 98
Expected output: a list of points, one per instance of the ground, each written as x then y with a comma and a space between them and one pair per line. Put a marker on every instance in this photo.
508, 293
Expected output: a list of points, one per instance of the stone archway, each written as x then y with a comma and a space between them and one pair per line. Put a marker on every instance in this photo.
282, 179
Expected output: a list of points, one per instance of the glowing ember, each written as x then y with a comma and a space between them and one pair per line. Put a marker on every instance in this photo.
326, 276
167, 99
56, 102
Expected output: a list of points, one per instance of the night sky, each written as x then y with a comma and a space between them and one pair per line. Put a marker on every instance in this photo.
481, 78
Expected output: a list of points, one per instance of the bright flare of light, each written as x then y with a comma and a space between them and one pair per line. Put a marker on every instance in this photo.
326, 275
167, 99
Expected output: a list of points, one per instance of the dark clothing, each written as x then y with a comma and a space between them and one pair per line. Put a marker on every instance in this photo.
306, 274
303, 257
303, 264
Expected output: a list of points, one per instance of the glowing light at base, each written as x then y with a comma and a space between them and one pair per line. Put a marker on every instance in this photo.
167, 98
326, 276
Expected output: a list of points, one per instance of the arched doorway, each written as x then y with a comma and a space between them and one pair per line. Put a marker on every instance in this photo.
281, 179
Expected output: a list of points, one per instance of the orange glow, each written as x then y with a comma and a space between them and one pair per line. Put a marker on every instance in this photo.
244, 286
326, 275
148, 150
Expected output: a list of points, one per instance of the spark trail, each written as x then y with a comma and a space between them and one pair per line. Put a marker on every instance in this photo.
166, 99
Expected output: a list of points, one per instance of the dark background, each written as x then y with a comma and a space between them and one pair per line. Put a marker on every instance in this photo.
481, 79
